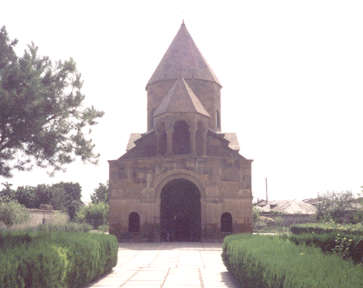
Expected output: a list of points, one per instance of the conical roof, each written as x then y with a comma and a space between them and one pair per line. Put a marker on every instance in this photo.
183, 60
180, 98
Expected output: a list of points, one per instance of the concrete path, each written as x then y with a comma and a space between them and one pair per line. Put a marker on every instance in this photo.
168, 265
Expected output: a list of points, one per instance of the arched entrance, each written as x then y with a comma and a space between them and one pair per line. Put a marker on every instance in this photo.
180, 211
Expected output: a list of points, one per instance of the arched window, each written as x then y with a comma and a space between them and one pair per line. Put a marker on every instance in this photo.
181, 138
134, 222
226, 222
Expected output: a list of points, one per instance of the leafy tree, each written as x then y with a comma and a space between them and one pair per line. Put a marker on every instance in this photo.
58, 197
334, 206
7, 193
64, 196
94, 214
101, 193
43, 121
26, 196
71, 197
13, 213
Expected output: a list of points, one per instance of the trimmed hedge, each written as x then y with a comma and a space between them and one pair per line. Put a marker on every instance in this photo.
57, 259
323, 228
346, 245
258, 261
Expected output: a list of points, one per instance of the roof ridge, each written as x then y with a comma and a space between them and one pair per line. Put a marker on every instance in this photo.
183, 59
180, 98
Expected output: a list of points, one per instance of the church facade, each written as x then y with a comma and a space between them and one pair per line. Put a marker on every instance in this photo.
183, 179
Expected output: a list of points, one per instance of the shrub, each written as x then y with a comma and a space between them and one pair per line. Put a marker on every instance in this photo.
13, 213
347, 246
323, 228
94, 214
267, 262
69, 227
103, 228
56, 259
334, 206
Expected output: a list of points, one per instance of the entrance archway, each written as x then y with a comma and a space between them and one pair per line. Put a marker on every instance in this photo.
180, 211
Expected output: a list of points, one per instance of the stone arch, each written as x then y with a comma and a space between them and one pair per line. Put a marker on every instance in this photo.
134, 222
180, 211
226, 222
166, 177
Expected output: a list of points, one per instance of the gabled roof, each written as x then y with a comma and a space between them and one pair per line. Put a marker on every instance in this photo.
287, 207
183, 60
133, 137
180, 98
233, 140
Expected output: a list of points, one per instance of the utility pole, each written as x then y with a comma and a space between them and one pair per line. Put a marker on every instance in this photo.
266, 190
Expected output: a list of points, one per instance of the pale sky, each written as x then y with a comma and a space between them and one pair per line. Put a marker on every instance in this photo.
292, 76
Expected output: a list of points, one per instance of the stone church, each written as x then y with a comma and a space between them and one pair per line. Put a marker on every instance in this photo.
183, 179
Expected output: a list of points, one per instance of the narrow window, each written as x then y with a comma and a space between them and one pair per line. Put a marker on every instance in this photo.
199, 139
134, 222
181, 138
226, 222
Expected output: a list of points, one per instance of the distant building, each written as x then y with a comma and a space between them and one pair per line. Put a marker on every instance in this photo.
287, 207
183, 179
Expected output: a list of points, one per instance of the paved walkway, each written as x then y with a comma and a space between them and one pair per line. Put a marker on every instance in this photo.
168, 265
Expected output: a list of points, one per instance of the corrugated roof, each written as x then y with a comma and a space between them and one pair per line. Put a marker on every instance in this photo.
180, 98
183, 60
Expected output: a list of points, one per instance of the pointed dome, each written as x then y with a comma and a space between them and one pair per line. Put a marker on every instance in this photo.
183, 60
180, 98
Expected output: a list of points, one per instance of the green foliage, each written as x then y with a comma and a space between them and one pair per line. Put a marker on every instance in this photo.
104, 228
7, 194
13, 213
347, 246
43, 120
101, 193
323, 228
334, 206
64, 196
269, 262
56, 259
68, 195
69, 227
255, 216
94, 214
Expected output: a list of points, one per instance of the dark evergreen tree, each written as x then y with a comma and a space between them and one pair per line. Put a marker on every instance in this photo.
42, 120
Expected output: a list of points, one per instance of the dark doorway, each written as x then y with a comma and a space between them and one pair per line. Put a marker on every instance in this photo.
180, 211
134, 222
226, 222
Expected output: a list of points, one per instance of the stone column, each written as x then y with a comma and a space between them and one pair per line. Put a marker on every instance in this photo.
158, 135
204, 139
192, 131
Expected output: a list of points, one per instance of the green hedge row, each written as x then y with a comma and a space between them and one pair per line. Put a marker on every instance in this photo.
323, 228
55, 259
258, 261
346, 245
